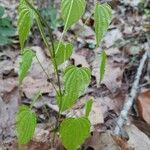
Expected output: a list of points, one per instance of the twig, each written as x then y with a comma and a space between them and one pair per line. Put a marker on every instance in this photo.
129, 102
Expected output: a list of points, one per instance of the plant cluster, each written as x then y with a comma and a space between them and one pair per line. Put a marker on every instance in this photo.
72, 131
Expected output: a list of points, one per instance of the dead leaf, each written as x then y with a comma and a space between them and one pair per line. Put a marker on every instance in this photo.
79, 60
7, 85
112, 76
7, 115
101, 141
96, 114
112, 36
137, 139
143, 105
31, 86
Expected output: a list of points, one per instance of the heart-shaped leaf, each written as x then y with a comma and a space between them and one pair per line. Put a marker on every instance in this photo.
76, 80
71, 11
73, 132
26, 123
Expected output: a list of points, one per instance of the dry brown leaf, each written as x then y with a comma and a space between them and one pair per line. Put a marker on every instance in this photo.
96, 114
31, 86
143, 105
7, 85
101, 141
112, 51
79, 60
36, 70
112, 36
112, 77
137, 139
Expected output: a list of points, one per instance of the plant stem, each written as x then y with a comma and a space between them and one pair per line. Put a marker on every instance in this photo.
41, 20
49, 79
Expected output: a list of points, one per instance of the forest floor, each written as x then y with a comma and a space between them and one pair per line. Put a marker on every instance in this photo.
125, 43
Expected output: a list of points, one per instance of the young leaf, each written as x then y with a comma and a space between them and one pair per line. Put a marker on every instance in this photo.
24, 22
76, 80
71, 11
88, 107
73, 132
26, 123
63, 52
102, 17
26, 62
103, 59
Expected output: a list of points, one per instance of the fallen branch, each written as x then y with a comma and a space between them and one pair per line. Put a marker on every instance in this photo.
130, 99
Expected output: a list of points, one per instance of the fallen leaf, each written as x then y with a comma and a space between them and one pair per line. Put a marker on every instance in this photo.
143, 105
96, 114
112, 76
31, 86
7, 85
79, 60
112, 36
137, 139
101, 141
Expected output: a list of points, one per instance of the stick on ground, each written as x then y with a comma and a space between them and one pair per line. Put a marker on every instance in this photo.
130, 99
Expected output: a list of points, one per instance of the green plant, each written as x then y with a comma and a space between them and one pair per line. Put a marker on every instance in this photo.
6, 28
72, 131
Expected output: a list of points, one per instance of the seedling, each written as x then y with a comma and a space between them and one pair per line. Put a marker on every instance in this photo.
72, 131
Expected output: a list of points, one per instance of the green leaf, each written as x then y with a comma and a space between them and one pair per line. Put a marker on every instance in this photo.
24, 22
26, 63
50, 14
26, 123
5, 31
88, 107
64, 51
74, 131
4, 40
102, 17
103, 59
71, 11
1, 11
76, 80
5, 22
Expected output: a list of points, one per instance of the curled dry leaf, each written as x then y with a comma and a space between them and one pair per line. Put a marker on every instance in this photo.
143, 105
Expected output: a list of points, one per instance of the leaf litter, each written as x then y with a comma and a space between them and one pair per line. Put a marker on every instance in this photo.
124, 40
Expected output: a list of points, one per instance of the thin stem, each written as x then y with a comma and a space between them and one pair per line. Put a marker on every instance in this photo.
46, 25
41, 20
49, 79
52, 53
